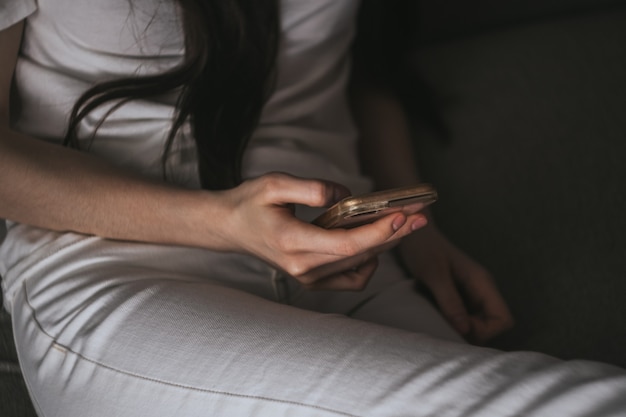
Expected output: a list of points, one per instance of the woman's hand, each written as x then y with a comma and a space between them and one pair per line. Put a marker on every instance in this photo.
463, 289
260, 221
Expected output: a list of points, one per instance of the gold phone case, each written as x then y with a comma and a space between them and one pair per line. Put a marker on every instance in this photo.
357, 210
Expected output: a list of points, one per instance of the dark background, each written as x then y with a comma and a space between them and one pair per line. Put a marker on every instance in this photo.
519, 117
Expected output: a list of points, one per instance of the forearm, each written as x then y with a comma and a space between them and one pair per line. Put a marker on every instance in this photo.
386, 147
61, 189
387, 153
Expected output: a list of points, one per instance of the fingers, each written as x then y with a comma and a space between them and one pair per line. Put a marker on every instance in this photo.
481, 313
337, 272
492, 315
463, 290
489, 314
354, 279
279, 188
350, 242
443, 288
309, 253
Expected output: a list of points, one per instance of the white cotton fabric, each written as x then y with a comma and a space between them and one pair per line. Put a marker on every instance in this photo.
11, 12
107, 328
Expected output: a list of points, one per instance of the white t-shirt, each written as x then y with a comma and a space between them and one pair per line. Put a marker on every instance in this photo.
70, 45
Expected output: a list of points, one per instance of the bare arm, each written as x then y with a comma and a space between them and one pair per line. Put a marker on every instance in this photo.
61, 189
385, 138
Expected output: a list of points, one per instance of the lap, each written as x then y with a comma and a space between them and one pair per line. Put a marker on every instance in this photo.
164, 340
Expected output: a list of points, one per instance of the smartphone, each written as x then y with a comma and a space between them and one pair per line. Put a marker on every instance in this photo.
357, 210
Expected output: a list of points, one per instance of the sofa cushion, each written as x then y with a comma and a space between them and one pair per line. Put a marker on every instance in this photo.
444, 19
527, 148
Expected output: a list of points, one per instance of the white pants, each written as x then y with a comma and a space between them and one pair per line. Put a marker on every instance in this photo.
119, 329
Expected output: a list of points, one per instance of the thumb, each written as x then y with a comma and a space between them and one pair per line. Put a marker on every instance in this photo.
283, 189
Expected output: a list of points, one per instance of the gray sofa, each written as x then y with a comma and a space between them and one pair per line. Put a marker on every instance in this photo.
519, 111
525, 137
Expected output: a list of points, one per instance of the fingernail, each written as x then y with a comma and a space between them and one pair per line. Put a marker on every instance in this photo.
398, 222
419, 222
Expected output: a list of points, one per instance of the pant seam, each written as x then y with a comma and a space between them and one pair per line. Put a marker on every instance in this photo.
173, 384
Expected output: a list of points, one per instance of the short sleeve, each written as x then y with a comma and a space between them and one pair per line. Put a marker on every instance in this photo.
12, 11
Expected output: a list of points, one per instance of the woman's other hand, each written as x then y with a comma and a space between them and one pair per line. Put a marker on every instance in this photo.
463, 289
260, 221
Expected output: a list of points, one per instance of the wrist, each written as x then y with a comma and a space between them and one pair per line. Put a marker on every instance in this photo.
198, 218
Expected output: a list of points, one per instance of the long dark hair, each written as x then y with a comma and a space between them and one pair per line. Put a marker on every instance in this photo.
224, 81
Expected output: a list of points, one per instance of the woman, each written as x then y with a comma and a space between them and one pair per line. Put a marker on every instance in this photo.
144, 278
